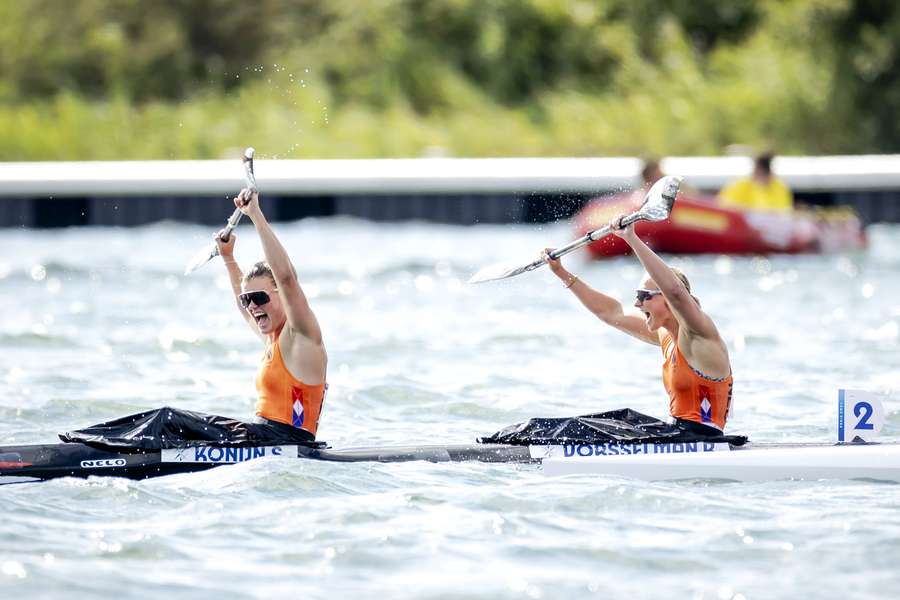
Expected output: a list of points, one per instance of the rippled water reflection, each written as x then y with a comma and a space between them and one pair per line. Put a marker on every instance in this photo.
96, 323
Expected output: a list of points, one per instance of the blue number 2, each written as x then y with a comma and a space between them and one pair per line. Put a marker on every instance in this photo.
865, 409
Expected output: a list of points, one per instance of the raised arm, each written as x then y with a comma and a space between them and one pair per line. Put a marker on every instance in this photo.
300, 317
607, 309
686, 310
235, 275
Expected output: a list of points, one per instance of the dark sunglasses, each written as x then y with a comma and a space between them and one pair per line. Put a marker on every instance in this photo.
258, 298
644, 295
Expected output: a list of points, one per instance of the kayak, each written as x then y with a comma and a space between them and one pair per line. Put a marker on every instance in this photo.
697, 225
51, 461
621, 442
638, 460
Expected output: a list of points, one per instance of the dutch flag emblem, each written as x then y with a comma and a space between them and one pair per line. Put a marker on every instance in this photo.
706, 410
297, 414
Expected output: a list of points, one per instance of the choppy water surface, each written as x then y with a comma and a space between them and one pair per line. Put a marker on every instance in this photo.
98, 323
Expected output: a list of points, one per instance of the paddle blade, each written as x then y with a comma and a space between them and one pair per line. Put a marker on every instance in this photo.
201, 258
503, 270
660, 199
656, 207
249, 176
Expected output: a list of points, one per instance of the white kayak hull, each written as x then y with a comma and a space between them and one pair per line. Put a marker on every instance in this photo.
756, 462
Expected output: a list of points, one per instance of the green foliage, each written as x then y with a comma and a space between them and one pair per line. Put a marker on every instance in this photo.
107, 79
866, 39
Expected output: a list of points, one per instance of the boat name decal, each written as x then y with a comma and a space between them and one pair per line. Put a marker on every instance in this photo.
103, 462
617, 448
214, 454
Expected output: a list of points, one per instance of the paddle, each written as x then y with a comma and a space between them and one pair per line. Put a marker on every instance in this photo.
656, 207
210, 252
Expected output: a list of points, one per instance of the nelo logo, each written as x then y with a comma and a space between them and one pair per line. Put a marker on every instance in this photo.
106, 462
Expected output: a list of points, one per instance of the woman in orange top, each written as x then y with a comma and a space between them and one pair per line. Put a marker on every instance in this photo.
291, 378
697, 370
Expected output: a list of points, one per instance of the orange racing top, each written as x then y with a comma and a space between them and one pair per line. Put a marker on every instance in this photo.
694, 396
283, 397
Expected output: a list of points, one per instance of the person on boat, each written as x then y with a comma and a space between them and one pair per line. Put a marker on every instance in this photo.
291, 378
651, 172
696, 371
762, 191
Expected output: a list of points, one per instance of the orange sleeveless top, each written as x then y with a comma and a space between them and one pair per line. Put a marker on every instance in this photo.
284, 398
692, 395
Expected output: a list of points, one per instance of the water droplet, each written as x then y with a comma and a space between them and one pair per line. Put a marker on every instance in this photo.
345, 288
38, 272
13, 569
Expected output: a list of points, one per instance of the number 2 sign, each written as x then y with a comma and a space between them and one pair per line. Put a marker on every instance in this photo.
860, 416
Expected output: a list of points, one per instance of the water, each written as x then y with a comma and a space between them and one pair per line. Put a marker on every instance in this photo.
98, 323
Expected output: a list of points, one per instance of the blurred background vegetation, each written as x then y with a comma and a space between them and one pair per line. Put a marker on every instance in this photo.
184, 79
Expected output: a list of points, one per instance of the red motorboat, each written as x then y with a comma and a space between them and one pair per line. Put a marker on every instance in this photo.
697, 225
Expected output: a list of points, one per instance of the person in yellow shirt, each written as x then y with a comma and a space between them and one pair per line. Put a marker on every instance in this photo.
760, 192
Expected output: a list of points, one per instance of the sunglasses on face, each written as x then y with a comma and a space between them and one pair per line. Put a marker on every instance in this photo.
644, 295
258, 298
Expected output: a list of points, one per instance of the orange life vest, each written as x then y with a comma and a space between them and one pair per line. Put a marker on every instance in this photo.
694, 396
283, 397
